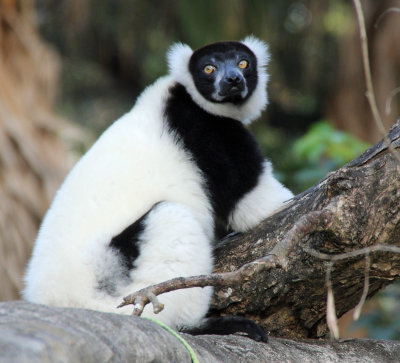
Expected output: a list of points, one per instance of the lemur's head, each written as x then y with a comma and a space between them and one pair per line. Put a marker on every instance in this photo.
224, 72
224, 78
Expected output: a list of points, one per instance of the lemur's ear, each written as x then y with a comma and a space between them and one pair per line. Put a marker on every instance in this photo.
178, 57
259, 48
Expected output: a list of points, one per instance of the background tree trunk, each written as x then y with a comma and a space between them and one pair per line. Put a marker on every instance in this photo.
33, 159
347, 106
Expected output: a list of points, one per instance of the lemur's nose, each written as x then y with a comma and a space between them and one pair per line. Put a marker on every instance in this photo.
232, 79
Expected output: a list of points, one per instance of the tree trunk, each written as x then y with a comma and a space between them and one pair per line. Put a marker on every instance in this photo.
363, 200
36, 333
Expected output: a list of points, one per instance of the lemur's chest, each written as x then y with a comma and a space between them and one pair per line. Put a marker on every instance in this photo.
225, 152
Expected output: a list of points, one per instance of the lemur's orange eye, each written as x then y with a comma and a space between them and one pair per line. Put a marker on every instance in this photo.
209, 69
243, 64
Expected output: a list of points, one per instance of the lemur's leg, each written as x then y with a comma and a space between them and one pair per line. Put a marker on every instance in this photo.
168, 242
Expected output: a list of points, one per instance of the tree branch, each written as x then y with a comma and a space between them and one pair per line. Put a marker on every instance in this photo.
144, 296
38, 333
362, 206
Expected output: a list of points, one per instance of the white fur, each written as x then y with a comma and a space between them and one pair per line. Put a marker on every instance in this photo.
178, 62
174, 238
173, 244
262, 201
135, 164
132, 166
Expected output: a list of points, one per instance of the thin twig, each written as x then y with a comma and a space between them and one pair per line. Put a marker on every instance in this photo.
388, 108
358, 308
330, 308
368, 78
355, 253
311, 222
386, 12
331, 318
142, 297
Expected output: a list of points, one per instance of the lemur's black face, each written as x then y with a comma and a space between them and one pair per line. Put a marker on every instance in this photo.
224, 72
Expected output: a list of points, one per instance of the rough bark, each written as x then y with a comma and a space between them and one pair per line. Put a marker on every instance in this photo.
364, 199
37, 333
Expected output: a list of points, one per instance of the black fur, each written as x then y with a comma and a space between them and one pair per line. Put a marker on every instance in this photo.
127, 242
219, 52
222, 148
225, 325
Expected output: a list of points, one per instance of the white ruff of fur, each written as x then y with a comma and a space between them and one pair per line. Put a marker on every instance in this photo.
178, 61
263, 200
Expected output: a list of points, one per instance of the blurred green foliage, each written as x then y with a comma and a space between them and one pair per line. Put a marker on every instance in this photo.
321, 150
322, 142
305, 159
